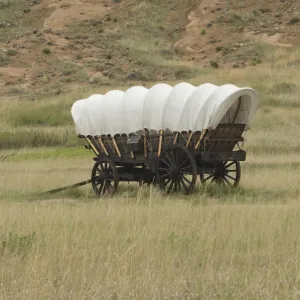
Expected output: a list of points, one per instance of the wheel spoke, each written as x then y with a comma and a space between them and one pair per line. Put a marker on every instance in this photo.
105, 189
96, 179
183, 183
186, 180
166, 182
164, 169
184, 161
101, 167
169, 159
187, 167
179, 184
229, 176
166, 163
110, 187
171, 186
101, 188
208, 178
227, 181
164, 176
229, 165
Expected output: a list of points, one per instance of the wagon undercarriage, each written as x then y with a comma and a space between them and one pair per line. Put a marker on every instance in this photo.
173, 167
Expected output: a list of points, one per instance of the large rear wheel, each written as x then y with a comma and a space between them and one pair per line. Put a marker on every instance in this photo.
176, 170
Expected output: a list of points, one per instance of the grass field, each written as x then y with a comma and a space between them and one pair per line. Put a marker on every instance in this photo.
213, 244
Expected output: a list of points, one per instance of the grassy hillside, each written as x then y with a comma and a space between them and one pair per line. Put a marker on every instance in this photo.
122, 42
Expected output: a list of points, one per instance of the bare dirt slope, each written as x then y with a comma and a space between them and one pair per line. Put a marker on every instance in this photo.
50, 44
225, 30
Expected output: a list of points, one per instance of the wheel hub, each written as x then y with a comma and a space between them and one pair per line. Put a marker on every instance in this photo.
220, 170
175, 172
101, 177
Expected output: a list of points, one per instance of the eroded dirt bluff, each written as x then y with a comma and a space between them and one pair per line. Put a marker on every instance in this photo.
51, 44
41, 51
226, 30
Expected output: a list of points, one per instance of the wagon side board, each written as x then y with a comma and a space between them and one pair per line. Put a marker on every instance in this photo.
136, 156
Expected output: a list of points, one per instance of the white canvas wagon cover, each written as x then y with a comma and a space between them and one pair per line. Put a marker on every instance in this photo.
183, 107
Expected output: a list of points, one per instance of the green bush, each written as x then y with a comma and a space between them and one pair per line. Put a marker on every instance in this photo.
78, 56
294, 20
47, 51
214, 64
12, 52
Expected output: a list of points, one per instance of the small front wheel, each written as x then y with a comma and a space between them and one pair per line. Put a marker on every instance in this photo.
226, 173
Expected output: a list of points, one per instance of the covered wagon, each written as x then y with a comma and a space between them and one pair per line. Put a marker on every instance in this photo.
166, 135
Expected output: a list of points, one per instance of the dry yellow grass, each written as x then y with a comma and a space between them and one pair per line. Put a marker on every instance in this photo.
214, 244
159, 249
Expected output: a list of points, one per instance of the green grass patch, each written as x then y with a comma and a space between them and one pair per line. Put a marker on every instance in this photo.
3, 60
72, 71
236, 18
50, 153
29, 114
12, 52
36, 137
283, 88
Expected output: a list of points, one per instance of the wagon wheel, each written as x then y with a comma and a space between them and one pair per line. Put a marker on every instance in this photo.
173, 167
105, 178
226, 173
